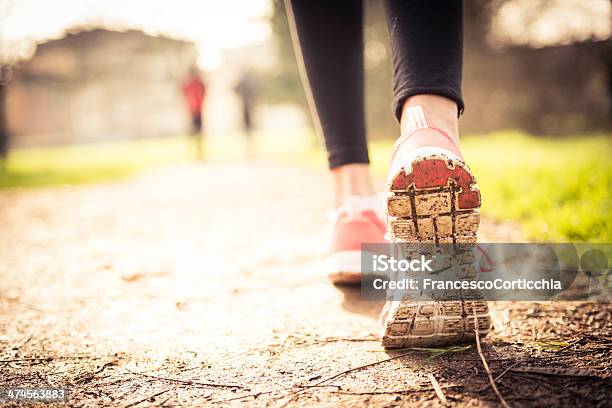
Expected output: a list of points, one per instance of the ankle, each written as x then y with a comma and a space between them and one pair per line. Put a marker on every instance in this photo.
352, 180
442, 124
440, 113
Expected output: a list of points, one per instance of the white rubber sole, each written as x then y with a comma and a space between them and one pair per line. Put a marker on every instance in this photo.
435, 200
344, 267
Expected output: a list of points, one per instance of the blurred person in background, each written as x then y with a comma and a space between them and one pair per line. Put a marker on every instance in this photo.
431, 194
194, 90
6, 74
246, 90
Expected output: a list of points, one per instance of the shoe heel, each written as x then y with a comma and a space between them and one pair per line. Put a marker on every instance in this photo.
434, 199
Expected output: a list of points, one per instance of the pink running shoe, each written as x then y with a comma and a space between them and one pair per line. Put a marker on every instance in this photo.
358, 221
432, 197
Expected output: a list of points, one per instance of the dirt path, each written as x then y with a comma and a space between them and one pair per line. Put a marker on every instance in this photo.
204, 284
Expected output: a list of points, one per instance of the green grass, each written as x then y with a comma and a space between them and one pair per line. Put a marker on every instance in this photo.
54, 166
108, 161
557, 189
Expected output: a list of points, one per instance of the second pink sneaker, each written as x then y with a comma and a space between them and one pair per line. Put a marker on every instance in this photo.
357, 222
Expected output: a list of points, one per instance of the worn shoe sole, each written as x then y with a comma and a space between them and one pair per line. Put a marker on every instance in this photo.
434, 199
344, 267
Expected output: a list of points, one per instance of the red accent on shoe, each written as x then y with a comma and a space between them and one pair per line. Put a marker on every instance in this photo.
434, 173
401, 181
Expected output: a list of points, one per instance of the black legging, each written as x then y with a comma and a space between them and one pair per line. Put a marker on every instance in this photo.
426, 43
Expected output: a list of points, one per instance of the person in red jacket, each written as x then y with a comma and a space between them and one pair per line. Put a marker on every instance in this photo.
194, 90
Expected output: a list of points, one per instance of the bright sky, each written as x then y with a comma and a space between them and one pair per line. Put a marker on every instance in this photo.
213, 25
544, 22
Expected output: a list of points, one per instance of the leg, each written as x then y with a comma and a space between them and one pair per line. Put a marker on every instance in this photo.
248, 129
328, 37
197, 136
246, 121
427, 46
433, 197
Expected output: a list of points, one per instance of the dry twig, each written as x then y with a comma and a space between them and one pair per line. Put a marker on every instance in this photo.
571, 343
486, 366
189, 382
392, 392
499, 376
361, 367
437, 388
13, 360
561, 371
293, 394
148, 397
254, 395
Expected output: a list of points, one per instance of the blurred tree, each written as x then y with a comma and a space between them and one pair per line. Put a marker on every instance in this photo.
549, 22
5, 77
283, 82
551, 90
377, 63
